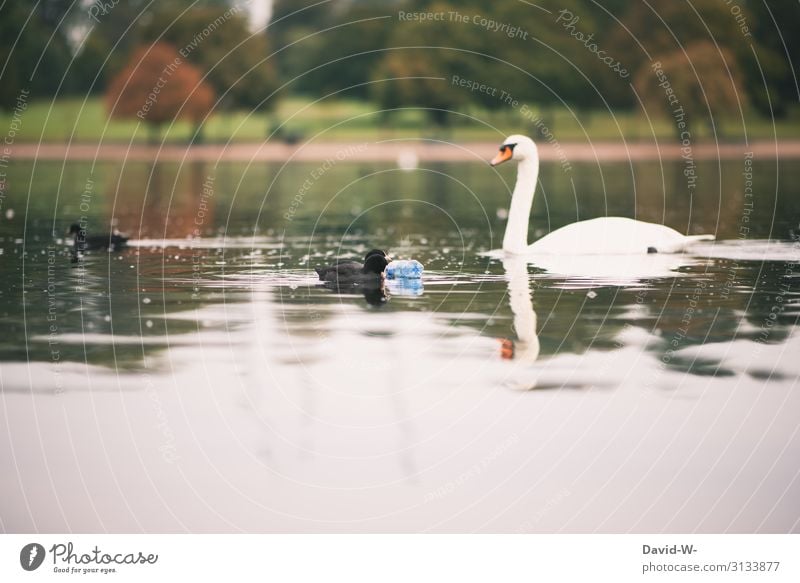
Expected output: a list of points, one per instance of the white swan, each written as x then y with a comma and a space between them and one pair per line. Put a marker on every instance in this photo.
602, 236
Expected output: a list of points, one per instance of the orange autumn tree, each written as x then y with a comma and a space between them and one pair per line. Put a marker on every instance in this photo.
158, 86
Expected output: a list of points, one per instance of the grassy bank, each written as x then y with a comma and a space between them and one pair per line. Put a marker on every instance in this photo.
72, 119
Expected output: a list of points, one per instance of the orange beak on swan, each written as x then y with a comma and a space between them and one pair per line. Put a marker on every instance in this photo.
505, 154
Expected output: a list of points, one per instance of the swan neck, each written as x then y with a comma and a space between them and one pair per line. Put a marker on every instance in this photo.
516, 237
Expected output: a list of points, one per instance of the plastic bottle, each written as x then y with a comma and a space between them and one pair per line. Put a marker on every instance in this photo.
405, 269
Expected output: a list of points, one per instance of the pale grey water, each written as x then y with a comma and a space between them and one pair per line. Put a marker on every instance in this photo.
211, 384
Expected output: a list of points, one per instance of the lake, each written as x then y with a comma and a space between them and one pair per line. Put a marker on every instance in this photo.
203, 380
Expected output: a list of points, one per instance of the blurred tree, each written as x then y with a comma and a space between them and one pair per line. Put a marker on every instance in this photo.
157, 86
663, 29
777, 56
410, 80
342, 56
545, 66
365, 41
411, 73
112, 36
662, 26
510, 45
33, 52
115, 29
704, 91
217, 41
292, 21
91, 65
518, 53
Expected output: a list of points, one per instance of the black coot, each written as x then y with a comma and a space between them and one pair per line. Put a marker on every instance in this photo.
83, 242
352, 272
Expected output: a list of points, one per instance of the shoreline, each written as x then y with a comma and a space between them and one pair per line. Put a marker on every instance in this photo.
390, 150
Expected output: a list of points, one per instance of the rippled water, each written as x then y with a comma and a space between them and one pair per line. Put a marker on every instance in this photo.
203, 380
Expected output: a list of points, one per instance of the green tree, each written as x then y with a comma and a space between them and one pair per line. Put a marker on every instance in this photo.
217, 41
336, 45
111, 37
777, 56
664, 30
704, 90
523, 54
408, 80
115, 30
419, 65
33, 53
546, 65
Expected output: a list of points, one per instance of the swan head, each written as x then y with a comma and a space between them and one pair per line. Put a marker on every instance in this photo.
516, 147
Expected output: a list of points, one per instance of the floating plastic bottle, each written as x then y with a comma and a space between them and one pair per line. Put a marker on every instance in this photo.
404, 269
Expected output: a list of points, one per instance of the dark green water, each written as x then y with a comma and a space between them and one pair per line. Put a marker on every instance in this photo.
209, 350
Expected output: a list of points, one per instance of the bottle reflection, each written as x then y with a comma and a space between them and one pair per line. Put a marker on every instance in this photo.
405, 287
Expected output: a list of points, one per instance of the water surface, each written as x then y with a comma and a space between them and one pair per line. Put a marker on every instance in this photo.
203, 380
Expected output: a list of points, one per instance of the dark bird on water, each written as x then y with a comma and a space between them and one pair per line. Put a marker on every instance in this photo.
83, 242
353, 272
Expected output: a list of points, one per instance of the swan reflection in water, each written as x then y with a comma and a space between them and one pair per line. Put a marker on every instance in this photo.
619, 270
526, 346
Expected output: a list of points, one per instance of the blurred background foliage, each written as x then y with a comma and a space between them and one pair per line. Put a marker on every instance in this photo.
724, 60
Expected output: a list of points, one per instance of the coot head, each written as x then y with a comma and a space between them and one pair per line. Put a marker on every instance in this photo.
375, 264
372, 252
74, 228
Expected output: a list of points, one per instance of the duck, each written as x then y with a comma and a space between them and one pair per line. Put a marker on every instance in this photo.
348, 272
600, 236
83, 242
